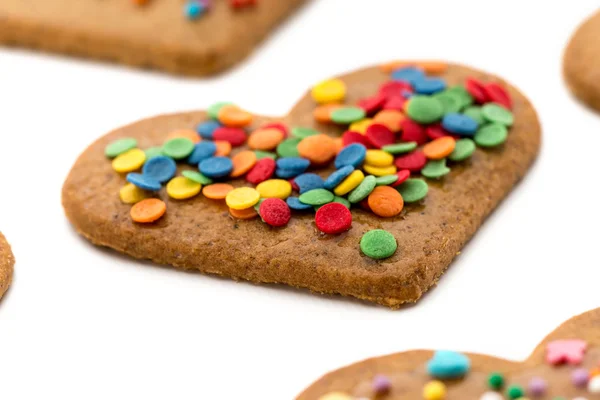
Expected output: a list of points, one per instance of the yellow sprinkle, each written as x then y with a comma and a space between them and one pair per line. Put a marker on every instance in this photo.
336, 396
181, 188
434, 390
361, 126
129, 161
242, 198
379, 158
348, 184
131, 194
380, 171
329, 91
278, 188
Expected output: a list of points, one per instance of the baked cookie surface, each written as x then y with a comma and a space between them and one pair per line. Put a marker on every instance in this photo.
565, 365
7, 262
200, 234
582, 62
155, 35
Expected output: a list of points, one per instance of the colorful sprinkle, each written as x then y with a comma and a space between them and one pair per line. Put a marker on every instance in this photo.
129, 161
347, 115
565, 351
207, 129
242, 162
333, 218
329, 91
309, 181
197, 177
495, 381
178, 148
515, 392
491, 135
143, 182
496, 113
181, 188
448, 365
275, 212
242, 198
350, 183
216, 167
463, 149
119, 147
202, 151
352, 155
217, 191
435, 169
160, 168
148, 210
316, 197
365, 188
378, 244
413, 190
385, 201
131, 194
460, 124
262, 170
295, 204
274, 188
425, 109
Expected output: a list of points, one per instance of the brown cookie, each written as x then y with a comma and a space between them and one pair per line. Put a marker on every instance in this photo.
7, 262
200, 234
156, 35
553, 364
582, 62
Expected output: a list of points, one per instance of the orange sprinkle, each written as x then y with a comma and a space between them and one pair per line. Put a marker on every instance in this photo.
439, 148
339, 145
247, 213
319, 149
430, 67
223, 148
141, 2
323, 112
184, 133
385, 201
390, 118
242, 163
265, 139
595, 372
217, 191
234, 116
148, 210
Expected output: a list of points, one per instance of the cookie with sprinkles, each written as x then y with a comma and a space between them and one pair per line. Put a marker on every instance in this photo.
7, 262
566, 365
397, 176
197, 37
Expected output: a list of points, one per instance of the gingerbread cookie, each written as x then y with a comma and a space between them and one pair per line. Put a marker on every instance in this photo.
7, 262
369, 187
566, 365
582, 61
190, 37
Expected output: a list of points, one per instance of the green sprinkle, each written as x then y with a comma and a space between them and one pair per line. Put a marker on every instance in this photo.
462, 95
316, 197
435, 169
213, 110
386, 180
264, 154
119, 147
378, 244
450, 101
347, 115
288, 148
341, 200
400, 148
496, 113
495, 381
197, 177
413, 190
425, 109
302, 133
463, 149
153, 152
363, 190
178, 148
491, 135
475, 113
514, 392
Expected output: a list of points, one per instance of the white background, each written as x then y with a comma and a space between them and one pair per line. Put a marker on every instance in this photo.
84, 323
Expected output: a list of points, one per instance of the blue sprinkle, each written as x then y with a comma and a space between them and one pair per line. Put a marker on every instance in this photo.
429, 85
448, 365
295, 204
202, 151
287, 173
308, 182
193, 9
338, 176
408, 74
160, 168
216, 167
207, 129
143, 181
297, 164
353, 154
460, 124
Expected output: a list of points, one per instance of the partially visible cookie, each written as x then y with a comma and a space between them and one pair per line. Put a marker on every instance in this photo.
581, 62
566, 365
7, 261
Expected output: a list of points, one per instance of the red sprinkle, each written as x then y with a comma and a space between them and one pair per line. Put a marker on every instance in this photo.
236, 4
235, 136
437, 131
413, 162
403, 175
413, 132
262, 170
294, 185
275, 212
333, 218
277, 125
477, 90
372, 104
380, 135
498, 94
350, 137
394, 89
395, 103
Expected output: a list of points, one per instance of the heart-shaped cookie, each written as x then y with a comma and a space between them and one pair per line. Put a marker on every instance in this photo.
566, 365
156, 34
200, 233
582, 61
7, 262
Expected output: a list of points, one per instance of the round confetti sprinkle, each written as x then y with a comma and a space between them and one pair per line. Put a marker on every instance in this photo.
202, 151
223, 148
392, 119
495, 381
429, 85
352, 155
333, 218
318, 149
207, 129
400, 148
413, 190
386, 180
274, 188
248, 213
461, 95
378, 158
309, 181
378, 244
476, 90
184, 133
413, 162
350, 183
217, 191
380, 135
463, 149
363, 190
119, 147
129, 161
262, 170
264, 154
242, 198
323, 112
160, 168
216, 167
298, 164
153, 152
514, 392
496, 113
361, 126
295, 204
379, 171
148, 210
288, 148
460, 124
409, 74
449, 101
475, 113
143, 182
498, 94
275, 212
131, 194
181, 188
242, 163
265, 139
178, 148
385, 201
350, 137
401, 177
343, 201
197, 177
337, 177
425, 110
435, 169
347, 115
235, 136
491, 135
316, 197
213, 110
329, 91
413, 132
234, 117
300, 132
439, 148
